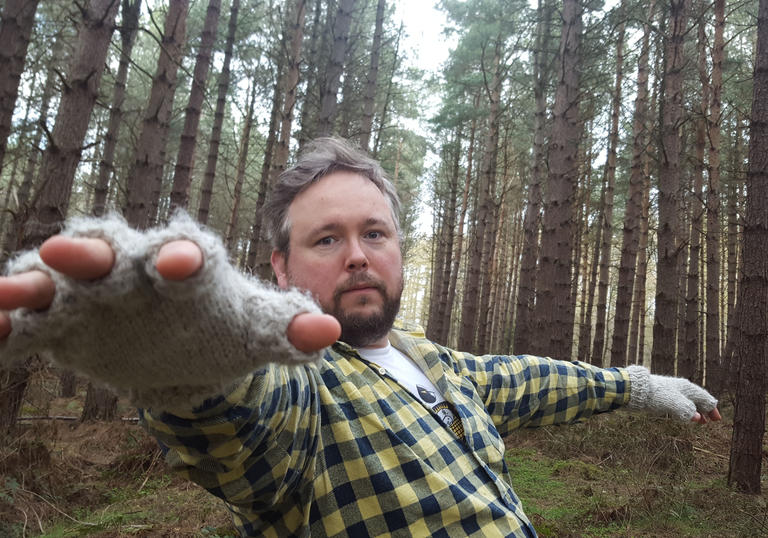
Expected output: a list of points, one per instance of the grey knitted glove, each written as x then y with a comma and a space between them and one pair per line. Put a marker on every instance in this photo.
667, 395
162, 343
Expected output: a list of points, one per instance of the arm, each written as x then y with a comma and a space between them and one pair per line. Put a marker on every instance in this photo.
155, 322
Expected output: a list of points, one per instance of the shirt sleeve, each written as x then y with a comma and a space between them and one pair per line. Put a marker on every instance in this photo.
527, 391
254, 445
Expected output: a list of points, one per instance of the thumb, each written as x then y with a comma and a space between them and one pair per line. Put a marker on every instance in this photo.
311, 332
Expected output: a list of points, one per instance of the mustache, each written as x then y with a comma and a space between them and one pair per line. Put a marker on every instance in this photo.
360, 280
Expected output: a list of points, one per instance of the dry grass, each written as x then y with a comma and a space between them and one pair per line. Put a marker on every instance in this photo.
614, 475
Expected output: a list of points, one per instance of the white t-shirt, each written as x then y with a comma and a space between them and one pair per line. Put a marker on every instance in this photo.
404, 370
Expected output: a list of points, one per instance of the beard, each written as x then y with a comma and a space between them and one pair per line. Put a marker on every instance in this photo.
361, 330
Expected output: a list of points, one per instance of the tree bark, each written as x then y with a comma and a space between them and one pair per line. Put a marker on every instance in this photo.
632, 214
373, 77
665, 319
129, 26
79, 93
293, 37
206, 191
744, 470
553, 313
713, 358
100, 404
145, 179
185, 159
242, 160
18, 17
473, 302
607, 210
526, 290
329, 102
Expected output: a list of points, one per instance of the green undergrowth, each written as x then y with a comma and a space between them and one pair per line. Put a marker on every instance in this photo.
615, 475
625, 475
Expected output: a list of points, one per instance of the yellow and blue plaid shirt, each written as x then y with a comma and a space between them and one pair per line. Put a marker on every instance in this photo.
341, 449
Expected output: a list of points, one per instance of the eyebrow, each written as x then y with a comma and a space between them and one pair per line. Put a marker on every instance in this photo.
334, 225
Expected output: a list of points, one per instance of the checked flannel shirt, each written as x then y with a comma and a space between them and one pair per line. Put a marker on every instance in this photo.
341, 449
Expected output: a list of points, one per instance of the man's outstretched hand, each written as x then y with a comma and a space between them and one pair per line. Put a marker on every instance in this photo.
90, 259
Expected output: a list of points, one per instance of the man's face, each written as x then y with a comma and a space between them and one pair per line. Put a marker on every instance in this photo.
344, 249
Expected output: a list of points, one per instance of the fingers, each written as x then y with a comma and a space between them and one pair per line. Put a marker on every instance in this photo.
81, 258
312, 332
34, 290
713, 415
178, 260
5, 325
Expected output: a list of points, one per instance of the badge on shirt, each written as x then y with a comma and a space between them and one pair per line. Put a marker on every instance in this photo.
426, 396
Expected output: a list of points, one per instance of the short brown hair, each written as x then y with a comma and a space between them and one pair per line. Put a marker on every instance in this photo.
323, 156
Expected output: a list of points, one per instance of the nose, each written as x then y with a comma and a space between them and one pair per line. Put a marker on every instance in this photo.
356, 257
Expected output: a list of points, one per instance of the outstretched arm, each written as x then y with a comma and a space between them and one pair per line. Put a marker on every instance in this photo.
150, 311
89, 259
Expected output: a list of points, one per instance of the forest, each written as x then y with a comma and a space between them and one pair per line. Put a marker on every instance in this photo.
583, 180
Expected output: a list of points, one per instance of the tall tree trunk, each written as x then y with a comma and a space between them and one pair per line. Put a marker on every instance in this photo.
182, 176
329, 102
665, 319
526, 290
744, 471
310, 102
57, 172
253, 262
129, 26
293, 37
636, 351
13, 236
18, 17
145, 179
607, 211
460, 230
632, 214
473, 302
373, 77
713, 365
388, 95
554, 315
242, 160
688, 358
206, 190
734, 253
440, 316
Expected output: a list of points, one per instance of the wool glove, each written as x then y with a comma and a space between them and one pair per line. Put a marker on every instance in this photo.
162, 343
667, 395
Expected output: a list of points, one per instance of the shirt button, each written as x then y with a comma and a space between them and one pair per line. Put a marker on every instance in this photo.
382, 371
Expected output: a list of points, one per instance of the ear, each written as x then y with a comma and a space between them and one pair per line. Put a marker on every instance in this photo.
278, 261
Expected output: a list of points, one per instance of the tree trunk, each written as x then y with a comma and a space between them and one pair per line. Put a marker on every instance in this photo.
526, 290
129, 26
310, 103
100, 404
18, 17
329, 100
554, 315
632, 214
744, 471
206, 190
665, 319
373, 78
293, 37
182, 176
713, 365
60, 160
482, 242
253, 263
145, 179
242, 160
607, 210
688, 360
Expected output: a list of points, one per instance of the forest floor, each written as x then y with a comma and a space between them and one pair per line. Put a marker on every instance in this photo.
615, 475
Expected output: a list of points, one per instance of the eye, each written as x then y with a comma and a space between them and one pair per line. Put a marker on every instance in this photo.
374, 235
326, 241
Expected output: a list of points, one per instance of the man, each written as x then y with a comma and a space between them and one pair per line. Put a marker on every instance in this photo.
384, 432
